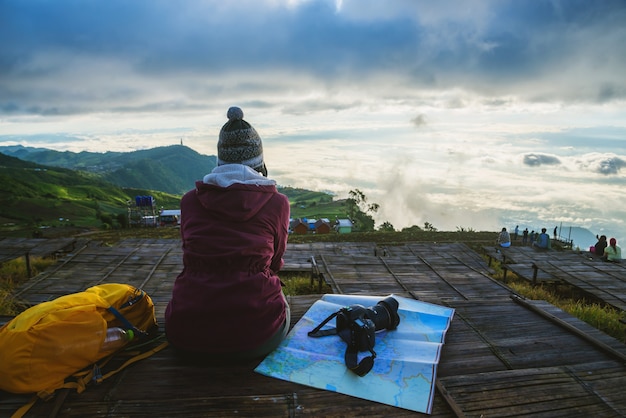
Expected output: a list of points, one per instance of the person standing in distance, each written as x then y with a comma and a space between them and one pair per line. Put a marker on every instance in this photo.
228, 303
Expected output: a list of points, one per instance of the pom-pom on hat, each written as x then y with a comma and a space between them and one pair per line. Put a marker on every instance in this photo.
239, 143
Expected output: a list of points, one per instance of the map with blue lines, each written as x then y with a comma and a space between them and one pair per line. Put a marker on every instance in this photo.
404, 370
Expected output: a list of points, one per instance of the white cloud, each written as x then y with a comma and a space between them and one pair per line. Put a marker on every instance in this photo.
537, 159
456, 113
606, 164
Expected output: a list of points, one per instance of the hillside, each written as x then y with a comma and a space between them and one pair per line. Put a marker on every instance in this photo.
172, 169
34, 195
46, 185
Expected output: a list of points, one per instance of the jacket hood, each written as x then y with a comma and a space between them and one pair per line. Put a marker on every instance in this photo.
235, 192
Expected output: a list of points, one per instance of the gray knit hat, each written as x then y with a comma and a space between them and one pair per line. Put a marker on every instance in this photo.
239, 143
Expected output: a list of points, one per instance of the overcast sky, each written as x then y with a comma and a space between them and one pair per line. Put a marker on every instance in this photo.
473, 114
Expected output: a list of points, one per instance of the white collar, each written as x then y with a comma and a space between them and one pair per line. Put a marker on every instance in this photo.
229, 174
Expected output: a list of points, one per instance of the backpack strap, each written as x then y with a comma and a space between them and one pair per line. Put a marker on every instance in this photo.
140, 294
126, 322
132, 360
85, 377
25, 408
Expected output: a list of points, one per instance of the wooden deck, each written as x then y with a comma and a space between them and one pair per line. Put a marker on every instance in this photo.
12, 248
503, 356
599, 280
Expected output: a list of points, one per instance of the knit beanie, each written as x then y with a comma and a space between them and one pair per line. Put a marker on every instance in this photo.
239, 143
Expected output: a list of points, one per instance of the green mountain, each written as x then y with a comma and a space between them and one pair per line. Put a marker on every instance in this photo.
46, 187
32, 195
172, 169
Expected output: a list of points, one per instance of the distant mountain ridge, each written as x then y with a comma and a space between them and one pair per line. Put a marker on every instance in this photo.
33, 195
581, 237
170, 169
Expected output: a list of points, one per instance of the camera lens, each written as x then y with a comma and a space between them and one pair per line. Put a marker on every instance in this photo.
384, 314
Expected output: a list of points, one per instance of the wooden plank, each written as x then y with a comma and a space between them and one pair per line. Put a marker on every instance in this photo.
496, 254
499, 358
165, 385
549, 391
12, 248
606, 284
531, 274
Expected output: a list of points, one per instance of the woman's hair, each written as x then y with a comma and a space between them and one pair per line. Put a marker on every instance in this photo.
613, 242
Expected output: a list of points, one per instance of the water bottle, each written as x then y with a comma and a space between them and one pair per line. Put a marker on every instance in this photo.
116, 338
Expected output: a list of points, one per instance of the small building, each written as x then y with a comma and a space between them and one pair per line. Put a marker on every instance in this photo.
343, 226
322, 226
169, 217
149, 220
299, 227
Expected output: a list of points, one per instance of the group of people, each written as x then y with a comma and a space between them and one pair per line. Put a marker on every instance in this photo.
607, 251
537, 240
532, 238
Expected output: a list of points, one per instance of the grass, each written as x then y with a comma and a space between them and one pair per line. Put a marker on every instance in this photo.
606, 319
315, 210
300, 284
602, 317
12, 274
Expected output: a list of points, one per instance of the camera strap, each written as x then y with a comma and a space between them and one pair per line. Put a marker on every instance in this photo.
319, 332
361, 368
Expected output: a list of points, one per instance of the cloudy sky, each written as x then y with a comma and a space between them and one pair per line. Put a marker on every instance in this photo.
463, 114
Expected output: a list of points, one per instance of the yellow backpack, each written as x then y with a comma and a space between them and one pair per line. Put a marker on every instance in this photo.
51, 341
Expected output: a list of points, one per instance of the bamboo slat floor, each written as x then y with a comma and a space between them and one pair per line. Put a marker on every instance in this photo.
603, 281
12, 248
503, 356
151, 265
518, 254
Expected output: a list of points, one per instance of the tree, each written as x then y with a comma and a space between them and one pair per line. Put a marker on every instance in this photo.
359, 211
429, 227
413, 228
354, 201
358, 196
386, 227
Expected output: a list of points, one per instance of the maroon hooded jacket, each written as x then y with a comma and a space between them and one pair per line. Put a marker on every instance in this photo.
228, 298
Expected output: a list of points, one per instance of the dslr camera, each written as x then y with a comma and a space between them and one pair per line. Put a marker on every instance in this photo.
357, 325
